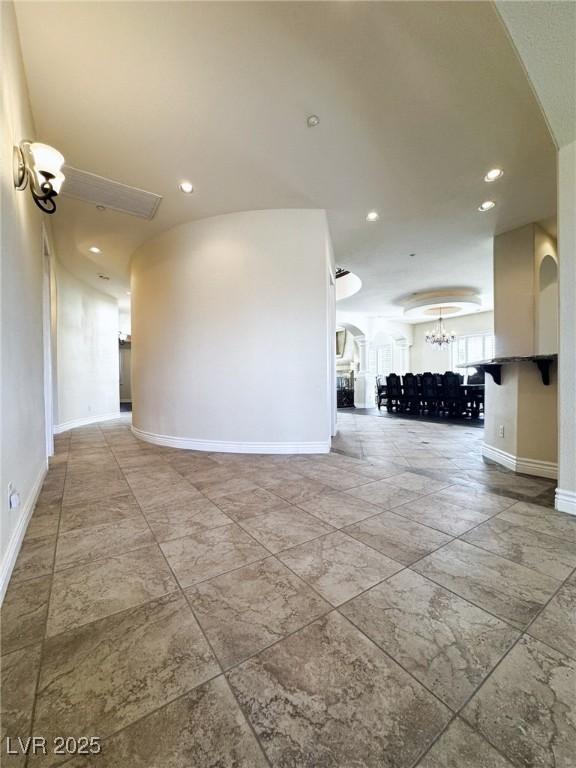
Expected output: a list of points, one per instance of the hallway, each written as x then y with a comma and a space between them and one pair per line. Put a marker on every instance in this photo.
397, 602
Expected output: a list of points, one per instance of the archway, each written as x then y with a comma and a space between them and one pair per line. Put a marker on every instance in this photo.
547, 310
363, 379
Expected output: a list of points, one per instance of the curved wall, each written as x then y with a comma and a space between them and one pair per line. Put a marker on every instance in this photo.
230, 334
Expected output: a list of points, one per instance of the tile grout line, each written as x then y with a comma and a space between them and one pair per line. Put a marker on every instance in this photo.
157, 708
522, 634
206, 640
48, 603
224, 672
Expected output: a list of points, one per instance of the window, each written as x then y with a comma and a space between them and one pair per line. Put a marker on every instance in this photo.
385, 364
400, 358
467, 349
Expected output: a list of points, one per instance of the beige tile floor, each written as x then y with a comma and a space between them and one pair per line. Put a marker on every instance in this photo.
396, 603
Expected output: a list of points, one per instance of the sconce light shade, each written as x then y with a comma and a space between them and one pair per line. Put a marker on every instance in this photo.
39, 165
46, 158
57, 182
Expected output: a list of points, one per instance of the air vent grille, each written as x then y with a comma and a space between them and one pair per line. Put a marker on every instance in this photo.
98, 190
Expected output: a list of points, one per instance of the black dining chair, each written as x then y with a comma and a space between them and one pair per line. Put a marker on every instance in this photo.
411, 393
430, 393
475, 395
393, 393
380, 391
476, 378
453, 400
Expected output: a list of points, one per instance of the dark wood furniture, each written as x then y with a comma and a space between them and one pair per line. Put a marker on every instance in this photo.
394, 394
381, 391
453, 400
345, 391
432, 393
410, 393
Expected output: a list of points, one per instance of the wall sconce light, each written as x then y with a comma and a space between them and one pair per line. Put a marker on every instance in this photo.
39, 165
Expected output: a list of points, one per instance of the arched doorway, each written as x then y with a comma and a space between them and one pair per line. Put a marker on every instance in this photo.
547, 307
352, 365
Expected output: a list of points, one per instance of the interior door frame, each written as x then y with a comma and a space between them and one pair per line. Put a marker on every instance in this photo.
47, 342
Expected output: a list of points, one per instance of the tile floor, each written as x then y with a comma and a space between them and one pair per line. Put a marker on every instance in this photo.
396, 603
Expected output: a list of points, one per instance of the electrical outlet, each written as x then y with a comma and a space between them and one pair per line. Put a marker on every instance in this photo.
13, 497
501, 430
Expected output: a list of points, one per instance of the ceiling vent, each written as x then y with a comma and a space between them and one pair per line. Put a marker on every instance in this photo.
97, 190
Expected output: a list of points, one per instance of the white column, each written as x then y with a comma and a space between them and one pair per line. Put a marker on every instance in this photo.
364, 381
566, 491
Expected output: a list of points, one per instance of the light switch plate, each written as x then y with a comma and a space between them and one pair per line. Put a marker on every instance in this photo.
13, 497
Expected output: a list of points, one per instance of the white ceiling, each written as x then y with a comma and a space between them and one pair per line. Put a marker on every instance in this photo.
416, 100
544, 34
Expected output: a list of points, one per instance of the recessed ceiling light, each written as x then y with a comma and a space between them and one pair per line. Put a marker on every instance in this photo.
187, 187
94, 249
494, 174
373, 216
128, 293
487, 205
312, 121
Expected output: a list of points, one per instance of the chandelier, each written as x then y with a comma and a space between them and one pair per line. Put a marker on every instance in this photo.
439, 336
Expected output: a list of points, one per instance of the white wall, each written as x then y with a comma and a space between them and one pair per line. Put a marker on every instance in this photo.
544, 36
87, 339
232, 334
425, 357
521, 425
514, 292
23, 454
566, 492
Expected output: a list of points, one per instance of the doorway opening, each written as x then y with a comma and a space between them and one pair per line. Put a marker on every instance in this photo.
125, 352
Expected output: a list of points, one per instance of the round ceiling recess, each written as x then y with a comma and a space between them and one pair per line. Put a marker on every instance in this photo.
446, 311
452, 302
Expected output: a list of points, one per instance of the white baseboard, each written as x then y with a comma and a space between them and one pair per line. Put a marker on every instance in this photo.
566, 501
500, 457
547, 469
9, 559
221, 446
74, 423
519, 464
